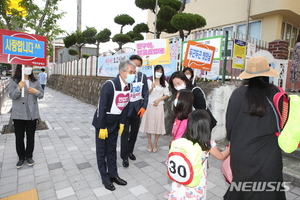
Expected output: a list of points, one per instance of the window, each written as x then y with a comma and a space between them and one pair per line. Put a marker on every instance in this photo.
254, 30
289, 33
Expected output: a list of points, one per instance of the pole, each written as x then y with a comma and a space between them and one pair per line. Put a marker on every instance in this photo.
225, 57
247, 19
23, 89
155, 19
79, 3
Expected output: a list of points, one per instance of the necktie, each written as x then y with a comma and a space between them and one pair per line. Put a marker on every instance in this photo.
125, 88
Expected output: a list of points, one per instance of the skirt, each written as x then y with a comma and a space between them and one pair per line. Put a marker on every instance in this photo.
153, 120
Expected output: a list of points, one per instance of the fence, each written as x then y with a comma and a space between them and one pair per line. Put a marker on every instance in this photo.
3, 92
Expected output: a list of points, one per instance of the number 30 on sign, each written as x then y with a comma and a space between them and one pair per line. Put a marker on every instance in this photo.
180, 168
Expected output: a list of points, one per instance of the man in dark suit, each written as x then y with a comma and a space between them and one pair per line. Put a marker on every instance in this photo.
137, 106
109, 119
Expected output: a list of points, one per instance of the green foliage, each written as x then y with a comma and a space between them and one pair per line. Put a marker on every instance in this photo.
86, 56
121, 39
166, 13
135, 36
141, 28
103, 36
165, 26
124, 19
188, 21
39, 20
73, 52
175, 4
70, 40
146, 4
90, 35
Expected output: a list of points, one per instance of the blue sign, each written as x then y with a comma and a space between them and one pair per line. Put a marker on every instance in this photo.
23, 47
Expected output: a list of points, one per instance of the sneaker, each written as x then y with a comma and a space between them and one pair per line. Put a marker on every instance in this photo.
30, 161
20, 164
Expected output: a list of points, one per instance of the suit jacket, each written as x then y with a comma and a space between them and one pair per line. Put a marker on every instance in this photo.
25, 108
136, 106
103, 120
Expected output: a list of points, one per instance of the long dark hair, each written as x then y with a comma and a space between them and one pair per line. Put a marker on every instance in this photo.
162, 78
17, 77
179, 74
184, 105
189, 69
198, 129
258, 89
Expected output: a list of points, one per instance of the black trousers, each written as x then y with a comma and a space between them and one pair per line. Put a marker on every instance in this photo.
129, 135
22, 126
106, 151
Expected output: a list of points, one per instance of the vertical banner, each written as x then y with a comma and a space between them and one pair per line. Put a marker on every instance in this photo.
154, 52
199, 56
22, 48
239, 54
251, 49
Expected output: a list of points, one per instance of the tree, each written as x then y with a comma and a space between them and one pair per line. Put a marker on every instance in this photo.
170, 17
124, 20
121, 39
102, 37
39, 20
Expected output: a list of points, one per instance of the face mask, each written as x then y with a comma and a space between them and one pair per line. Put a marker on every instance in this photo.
175, 102
27, 70
130, 78
158, 74
137, 69
188, 76
180, 87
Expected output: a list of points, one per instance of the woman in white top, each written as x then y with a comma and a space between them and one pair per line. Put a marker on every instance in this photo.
153, 121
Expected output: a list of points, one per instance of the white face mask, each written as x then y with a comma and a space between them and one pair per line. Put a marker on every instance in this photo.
180, 87
27, 70
158, 74
137, 69
188, 76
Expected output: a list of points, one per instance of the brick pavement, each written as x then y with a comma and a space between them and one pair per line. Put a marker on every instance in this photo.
66, 165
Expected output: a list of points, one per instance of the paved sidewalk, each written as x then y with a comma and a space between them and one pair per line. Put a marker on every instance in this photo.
66, 165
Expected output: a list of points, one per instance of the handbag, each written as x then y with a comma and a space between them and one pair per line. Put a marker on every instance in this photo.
226, 169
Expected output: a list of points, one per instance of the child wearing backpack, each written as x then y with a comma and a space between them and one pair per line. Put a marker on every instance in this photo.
183, 106
195, 143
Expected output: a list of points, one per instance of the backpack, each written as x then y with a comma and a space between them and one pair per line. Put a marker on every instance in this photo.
289, 119
185, 163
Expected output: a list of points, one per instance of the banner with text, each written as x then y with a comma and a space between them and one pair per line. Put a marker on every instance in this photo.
153, 52
22, 48
199, 55
239, 54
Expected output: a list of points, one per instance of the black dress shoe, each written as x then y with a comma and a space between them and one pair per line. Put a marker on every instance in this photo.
132, 157
108, 185
118, 181
125, 163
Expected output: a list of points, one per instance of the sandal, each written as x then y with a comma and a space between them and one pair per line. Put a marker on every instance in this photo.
154, 150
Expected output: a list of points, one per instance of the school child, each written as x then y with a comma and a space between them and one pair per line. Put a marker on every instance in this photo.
183, 106
198, 133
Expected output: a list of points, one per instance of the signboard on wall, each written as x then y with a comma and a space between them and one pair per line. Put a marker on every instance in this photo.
199, 55
239, 54
22, 48
153, 52
212, 41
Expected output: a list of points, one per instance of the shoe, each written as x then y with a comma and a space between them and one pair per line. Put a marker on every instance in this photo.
125, 163
108, 185
149, 149
30, 161
293, 91
118, 181
155, 150
131, 156
20, 164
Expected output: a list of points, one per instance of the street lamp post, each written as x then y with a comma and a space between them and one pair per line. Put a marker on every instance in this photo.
155, 19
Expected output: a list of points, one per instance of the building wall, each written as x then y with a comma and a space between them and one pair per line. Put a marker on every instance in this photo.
220, 13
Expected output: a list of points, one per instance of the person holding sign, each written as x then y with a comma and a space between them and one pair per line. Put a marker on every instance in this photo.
179, 81
187, 159
153, 122
137, 106
25, 111
109, 120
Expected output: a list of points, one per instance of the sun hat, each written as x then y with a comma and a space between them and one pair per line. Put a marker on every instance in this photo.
258, 66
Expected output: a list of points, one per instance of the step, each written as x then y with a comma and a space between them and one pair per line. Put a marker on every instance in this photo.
291, 164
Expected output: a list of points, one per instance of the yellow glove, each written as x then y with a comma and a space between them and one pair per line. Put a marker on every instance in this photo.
103, 134
121, 129
141, 112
